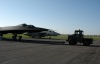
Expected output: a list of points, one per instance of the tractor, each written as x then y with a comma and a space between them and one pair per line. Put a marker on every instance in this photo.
79, 37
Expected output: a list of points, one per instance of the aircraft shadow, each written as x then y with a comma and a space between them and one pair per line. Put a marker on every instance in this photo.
38, 41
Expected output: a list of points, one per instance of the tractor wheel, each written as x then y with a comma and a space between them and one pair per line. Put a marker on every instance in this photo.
72, 42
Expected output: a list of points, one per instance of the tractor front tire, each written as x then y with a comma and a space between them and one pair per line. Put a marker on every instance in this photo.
72, 42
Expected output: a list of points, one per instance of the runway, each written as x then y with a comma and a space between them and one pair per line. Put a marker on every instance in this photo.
45, 51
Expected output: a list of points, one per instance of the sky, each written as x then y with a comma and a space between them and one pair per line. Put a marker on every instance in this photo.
63, 16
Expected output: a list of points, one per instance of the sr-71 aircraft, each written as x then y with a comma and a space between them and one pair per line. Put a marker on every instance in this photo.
20, 29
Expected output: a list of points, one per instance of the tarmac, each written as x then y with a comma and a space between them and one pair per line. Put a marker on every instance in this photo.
46, 51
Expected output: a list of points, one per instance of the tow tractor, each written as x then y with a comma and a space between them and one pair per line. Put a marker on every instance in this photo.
79, 37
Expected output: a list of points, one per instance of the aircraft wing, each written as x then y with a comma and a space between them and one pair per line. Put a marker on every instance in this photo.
21, 29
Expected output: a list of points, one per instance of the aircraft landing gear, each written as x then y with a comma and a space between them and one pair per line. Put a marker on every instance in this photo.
14, 37
20, 37
1, 36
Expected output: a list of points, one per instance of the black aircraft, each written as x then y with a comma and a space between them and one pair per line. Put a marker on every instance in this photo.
20, 29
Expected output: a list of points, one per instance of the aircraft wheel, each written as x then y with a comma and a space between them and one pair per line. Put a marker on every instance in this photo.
20, 37
14, 37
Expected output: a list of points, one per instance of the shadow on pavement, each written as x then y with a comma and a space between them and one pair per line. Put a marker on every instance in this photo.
38, 41
44, 41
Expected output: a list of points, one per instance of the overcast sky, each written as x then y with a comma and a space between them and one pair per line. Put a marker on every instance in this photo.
64, 16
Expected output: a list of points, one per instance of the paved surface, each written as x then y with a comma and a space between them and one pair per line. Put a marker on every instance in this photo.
48, 52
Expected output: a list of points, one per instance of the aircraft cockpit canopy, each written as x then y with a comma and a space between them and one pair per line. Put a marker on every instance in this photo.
30, 26
24, 25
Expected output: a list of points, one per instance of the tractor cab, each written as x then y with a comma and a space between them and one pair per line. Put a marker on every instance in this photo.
78, 35
78, 32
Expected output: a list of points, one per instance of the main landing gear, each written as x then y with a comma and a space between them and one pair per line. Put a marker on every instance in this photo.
14, 37
1, 36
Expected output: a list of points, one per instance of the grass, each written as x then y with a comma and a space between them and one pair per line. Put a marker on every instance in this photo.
62, 37
10, 35
94, 37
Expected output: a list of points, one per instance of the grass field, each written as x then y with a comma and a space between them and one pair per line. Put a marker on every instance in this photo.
94, 37
62, 37
10, 36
